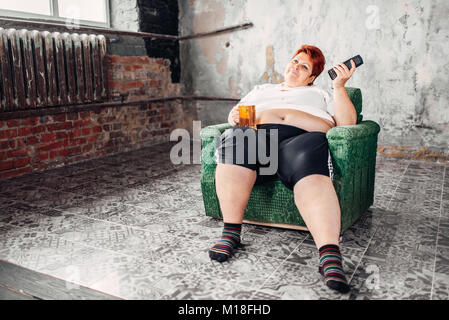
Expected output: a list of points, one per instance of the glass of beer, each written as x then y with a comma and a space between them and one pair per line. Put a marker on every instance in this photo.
247, 116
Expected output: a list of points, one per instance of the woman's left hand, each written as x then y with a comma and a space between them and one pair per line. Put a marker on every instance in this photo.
343, 74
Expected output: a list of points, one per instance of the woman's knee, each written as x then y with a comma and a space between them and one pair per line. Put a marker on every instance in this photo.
234, 181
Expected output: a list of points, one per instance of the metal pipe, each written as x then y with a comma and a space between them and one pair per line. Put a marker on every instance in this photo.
21, 113
218, 31
39, 24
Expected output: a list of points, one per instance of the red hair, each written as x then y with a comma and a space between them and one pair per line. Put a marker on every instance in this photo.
316, 56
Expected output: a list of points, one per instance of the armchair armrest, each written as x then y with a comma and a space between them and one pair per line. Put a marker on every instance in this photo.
209, 137
353, 150
211, 131
355, 143
362, 130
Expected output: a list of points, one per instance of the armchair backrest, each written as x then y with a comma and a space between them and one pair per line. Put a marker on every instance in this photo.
355, 94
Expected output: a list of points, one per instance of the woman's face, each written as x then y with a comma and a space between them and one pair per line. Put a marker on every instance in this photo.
298, 71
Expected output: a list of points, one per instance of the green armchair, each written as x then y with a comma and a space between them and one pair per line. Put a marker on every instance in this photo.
353, 152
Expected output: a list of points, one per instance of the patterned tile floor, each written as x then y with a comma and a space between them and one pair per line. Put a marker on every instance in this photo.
133, 226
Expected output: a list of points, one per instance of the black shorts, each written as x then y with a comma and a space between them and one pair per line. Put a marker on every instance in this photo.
280, 151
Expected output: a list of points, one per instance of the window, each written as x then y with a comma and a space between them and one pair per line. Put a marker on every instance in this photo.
73, 12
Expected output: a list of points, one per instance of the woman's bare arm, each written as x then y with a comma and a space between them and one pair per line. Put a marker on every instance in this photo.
344, 111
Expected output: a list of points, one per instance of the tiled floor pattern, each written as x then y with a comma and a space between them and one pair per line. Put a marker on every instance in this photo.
133, 226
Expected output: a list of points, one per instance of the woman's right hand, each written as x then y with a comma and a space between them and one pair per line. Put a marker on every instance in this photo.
233, 117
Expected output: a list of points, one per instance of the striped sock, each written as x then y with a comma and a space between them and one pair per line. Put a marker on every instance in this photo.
331, 268
230, 239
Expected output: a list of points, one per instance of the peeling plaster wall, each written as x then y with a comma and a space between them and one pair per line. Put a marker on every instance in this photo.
404, 45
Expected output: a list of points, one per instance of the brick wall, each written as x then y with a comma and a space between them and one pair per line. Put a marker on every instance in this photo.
140, 76
37, 143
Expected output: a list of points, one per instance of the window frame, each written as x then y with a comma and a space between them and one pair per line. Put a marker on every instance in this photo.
54, 17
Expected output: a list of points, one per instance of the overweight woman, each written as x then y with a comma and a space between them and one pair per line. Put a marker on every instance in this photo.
300, 114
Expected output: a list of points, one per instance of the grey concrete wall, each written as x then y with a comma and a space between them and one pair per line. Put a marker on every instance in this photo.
404, 45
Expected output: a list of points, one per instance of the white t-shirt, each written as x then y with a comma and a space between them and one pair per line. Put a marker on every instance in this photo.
310, 99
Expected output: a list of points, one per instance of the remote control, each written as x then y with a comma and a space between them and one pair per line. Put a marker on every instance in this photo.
357, 60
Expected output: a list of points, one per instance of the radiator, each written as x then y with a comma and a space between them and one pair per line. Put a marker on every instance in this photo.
41, 68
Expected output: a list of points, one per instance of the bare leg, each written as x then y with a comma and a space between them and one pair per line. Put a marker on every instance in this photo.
317, 201
233, 184
318, 204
